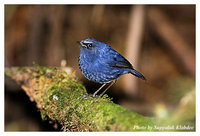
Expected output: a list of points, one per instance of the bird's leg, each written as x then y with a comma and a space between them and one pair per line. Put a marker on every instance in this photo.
107, 88
94, 94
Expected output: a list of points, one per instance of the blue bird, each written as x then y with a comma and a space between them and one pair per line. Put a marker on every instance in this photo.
102, 64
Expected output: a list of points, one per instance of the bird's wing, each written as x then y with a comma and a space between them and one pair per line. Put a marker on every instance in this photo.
114, 59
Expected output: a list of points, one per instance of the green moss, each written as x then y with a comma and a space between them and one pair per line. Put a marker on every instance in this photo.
60, 97
76, 106
107, 128
112, 121
70, 111
69, 119
78, 114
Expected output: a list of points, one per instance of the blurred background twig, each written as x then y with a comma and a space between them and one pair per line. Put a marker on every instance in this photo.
133, 43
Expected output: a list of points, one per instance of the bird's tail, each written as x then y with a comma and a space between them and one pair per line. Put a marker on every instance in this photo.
137, 74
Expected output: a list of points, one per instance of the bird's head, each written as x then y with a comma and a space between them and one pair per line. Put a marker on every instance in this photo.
90, 46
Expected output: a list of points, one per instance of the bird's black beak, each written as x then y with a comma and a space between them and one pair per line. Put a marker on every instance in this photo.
78, 42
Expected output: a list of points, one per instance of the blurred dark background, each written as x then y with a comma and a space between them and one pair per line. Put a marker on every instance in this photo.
159, 40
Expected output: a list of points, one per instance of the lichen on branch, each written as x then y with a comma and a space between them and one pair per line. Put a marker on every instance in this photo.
60, 97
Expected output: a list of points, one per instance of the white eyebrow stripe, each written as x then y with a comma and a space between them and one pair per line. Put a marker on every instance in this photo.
87, 42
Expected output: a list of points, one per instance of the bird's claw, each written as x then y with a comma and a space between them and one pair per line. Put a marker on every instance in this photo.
89, 96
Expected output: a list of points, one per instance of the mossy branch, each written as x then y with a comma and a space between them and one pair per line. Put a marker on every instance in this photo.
60, 97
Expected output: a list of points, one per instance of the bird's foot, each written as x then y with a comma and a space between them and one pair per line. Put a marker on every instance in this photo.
89, 96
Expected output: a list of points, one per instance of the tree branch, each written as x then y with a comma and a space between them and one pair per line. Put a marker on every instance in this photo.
63, 99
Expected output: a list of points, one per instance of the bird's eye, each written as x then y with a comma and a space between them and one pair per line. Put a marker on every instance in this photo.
89, 45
